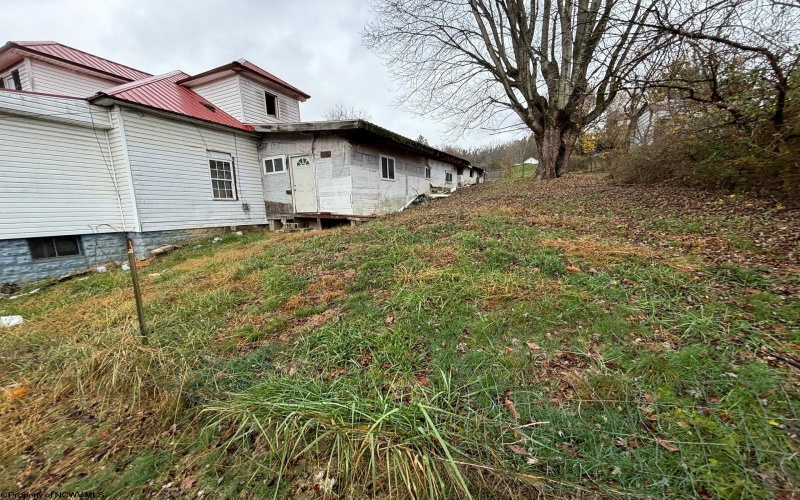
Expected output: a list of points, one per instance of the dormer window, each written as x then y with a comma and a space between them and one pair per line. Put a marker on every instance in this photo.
272, 104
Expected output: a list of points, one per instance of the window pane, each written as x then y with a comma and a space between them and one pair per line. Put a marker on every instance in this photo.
42, 248
278, 164
390, 163
268, 166
66, 245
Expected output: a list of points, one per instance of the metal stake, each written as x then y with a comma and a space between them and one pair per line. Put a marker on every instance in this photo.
136, 292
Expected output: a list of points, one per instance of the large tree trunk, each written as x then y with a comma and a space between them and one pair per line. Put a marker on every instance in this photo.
555, 148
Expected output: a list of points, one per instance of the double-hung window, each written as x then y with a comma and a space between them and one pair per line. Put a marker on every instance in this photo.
223, 176
387, 168
274, 165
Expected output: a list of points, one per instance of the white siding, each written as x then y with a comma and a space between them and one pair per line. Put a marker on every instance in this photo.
57, 179
24, 77
55, 109
119, 158
51, 79
172, 182
333, 179
375, 196
255, 106
224, 94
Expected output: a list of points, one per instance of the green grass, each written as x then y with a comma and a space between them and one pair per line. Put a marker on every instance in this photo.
442, 353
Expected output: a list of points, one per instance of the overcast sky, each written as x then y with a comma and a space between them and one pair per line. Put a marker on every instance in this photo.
314, 45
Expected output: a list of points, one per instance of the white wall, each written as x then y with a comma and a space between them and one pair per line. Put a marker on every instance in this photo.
171, 177
224, 94
24, 77
51, 79
58, 177
375, 196
255, 106
333, 179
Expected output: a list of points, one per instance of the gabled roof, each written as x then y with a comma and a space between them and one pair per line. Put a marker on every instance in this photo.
64, 54
365, 128
162, 93
248, 68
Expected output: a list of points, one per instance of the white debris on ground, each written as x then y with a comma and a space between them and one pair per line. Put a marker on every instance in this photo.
11, 320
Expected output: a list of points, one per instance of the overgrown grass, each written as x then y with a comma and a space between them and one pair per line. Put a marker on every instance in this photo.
470, 348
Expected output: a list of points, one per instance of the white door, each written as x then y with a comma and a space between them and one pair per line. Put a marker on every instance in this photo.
304, 190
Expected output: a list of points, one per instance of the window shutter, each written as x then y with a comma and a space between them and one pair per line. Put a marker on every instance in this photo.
17, 81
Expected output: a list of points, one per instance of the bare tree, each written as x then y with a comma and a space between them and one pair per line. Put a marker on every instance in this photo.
343, 112
554, 65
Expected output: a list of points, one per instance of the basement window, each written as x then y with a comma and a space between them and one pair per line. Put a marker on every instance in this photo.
273, 165
223, 183
272, 104
448, 177
52, 247
387, 168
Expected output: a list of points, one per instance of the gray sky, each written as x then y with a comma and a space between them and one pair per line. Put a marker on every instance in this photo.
314, 45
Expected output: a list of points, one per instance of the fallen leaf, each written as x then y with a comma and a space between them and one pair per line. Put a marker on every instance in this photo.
518, 450
649, 398
389, 320
511, 408
386, 366
667, 445
424, 382
573, 269
17, 393
187, 483
533, 346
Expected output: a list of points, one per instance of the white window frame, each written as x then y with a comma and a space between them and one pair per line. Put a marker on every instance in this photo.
222, 158
448, 176
9, 82
272, 158
394, 168
277, 105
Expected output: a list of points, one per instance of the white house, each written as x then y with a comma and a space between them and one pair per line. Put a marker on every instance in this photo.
93, 152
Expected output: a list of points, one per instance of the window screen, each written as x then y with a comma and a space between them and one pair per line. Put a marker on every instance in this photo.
59, 246
272, 104
387, 167
222, 182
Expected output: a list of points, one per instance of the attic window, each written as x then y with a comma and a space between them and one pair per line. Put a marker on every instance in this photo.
272, 104
209, 106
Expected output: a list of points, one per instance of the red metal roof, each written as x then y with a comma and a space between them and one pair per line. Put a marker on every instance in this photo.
161, 92
247, 67
63, 53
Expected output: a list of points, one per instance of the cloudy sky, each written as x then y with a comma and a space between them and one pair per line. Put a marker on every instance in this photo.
313, 44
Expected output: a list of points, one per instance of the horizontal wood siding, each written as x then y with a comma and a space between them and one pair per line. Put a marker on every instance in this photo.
24, 77
57, 179
51, 79
171, 177
224, 94
119, 158
54, 109
255, 106
375, 196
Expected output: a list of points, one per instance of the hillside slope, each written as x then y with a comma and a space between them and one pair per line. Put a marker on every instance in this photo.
562, 338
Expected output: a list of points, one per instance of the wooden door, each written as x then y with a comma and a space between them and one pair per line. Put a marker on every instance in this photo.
304, 187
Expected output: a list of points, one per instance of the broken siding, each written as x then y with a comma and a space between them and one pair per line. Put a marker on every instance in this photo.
24, 77
171, 176
50, 79
224, 94
57, 176
255, 105
375, 196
